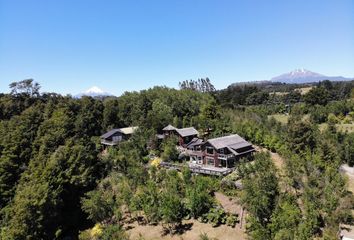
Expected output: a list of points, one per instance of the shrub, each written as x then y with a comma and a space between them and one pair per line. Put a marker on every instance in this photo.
231, 220
332, 118
92, 234
216, 216
112, 232
204, 236
347, 120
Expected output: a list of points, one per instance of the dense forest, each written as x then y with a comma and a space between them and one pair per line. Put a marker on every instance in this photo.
56, 183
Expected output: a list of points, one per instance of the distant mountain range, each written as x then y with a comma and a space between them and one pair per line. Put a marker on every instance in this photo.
305, 76
297, 76
94, 92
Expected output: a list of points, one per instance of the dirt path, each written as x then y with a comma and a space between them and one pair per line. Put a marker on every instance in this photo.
349, 172
193, 230
277, 159
230, 205
348, 230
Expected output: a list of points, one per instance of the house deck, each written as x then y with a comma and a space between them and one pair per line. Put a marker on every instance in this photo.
201, 169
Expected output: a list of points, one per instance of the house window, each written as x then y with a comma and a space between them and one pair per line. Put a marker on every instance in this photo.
197, 148
210, 150
221, 151
210, 161
200, 160
116, 138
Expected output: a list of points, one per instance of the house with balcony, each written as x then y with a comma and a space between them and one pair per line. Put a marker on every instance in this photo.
221, 152
194, 150
117, 135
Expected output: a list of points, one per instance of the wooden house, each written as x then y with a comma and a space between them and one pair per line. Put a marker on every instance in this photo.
194, 149
220, 152
115, 136
185, 135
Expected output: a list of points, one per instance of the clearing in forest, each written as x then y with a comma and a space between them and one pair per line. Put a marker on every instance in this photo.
192, 228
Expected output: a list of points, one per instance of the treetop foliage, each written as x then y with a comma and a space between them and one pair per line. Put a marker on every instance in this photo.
55, 180
200, 85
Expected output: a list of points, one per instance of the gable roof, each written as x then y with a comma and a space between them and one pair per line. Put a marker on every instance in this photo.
169, 127
128, 130
195, 142
184, 132
125, 131
239, 145
233, 141
110, 133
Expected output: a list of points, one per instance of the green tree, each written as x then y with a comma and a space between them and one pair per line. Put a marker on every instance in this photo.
198, 198
260, 194
317, 95
98, 205
348, 149
49, 192
301, 135
170, 152
159, 116
286, 218
27, 87
147, 198
171, 209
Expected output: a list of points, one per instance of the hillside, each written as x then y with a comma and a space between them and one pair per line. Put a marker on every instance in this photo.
60, 180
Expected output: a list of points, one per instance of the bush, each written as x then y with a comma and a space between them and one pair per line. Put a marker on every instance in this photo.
231, 220
170, 152
204, 236
347, 120
114, 232
332, 118
216, 216
92, 234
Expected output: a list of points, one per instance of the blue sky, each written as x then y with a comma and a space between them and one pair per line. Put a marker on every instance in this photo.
71, 45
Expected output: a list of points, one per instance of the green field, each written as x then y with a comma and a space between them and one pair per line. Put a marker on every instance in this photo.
282, 118
342, 127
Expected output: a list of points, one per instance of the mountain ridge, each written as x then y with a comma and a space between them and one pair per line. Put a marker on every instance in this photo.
305, 76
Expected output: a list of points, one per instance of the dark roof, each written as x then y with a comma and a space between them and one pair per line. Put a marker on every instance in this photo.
111, 132
195, 142
184, 132
232, 141
169, 127
125, 131
240, 145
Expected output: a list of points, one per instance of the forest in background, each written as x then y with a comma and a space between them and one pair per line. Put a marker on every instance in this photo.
54, 181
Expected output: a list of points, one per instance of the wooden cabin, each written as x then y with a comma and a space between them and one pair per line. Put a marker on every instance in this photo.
185, 135
117, 135
220, 152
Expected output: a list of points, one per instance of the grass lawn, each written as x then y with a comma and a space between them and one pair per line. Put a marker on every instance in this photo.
303, 90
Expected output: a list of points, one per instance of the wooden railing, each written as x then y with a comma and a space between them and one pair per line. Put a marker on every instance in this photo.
111, 143
199, 169
225, 156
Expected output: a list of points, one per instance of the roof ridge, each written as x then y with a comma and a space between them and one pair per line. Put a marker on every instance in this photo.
231, 135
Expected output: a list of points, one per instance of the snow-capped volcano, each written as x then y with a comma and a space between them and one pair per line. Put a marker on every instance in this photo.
94, 92
304, 76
